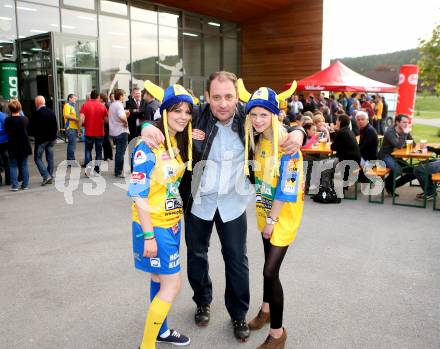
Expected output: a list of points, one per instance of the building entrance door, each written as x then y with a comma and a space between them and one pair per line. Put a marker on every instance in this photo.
35, 71
55, 65
76, 64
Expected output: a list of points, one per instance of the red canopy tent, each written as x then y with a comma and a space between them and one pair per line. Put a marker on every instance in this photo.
338, 77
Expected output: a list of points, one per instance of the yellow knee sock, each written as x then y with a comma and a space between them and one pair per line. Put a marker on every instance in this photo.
156, 315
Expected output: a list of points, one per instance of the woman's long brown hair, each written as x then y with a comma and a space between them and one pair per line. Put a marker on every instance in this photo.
181, 137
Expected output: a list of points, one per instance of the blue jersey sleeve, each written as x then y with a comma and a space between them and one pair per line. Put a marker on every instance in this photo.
288, 182
143, 161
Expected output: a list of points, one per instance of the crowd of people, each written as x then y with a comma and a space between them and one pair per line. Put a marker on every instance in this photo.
104, 121
172, 137
330, 107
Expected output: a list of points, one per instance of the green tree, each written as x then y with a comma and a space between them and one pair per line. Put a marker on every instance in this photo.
429, 62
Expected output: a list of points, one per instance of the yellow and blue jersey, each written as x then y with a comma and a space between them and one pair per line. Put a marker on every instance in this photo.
69, 109
288, 187
157, 177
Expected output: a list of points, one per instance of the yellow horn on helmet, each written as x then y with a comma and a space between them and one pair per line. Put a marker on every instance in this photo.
195, 100
286, 94
154, 90
243, 94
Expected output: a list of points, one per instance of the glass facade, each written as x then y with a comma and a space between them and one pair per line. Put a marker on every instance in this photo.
111, 44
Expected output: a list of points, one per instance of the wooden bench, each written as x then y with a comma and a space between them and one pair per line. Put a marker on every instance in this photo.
436, 180
381, 172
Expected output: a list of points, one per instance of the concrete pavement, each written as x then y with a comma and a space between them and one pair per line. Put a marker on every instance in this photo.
427, 122
359, 275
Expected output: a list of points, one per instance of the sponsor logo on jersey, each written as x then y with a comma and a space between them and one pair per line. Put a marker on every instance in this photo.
155, 262
175, 228
172, 204
266, 189
170, 171
173, 190
289, 186
138, 178
292, 166
174, 261
139, 157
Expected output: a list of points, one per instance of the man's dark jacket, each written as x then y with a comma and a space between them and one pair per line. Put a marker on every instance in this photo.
368, 143
44, 126
131, 106
346, 146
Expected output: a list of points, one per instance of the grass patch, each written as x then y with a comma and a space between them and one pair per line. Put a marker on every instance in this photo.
430, 133
427, 107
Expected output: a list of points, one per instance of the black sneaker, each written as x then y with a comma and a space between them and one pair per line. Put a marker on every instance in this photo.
241, 330
174, 338
47, 180
202, 315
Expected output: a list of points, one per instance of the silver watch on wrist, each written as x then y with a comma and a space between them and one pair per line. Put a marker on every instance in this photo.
270, 220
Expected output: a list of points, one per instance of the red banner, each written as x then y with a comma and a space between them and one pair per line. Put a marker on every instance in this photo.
406, 99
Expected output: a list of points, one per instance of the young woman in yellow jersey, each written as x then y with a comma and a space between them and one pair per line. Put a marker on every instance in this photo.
279, 204
157, 210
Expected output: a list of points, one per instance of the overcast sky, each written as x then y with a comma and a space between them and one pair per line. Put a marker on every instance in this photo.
355, 28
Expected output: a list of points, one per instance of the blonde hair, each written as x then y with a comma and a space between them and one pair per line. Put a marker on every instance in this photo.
278, 133
318, 118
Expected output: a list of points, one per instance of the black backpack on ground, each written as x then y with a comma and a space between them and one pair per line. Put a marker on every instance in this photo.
326, 193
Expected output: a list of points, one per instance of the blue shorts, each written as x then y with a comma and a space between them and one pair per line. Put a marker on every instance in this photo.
167, 260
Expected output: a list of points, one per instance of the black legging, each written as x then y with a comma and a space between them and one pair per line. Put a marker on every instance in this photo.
273, 290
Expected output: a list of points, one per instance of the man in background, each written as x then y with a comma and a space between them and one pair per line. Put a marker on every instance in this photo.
44, 129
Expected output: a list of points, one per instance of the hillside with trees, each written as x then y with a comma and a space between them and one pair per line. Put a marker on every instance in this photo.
383, 67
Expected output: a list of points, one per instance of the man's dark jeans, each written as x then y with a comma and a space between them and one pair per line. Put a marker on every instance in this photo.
398, 168
71, 135
121, 142
47, 148
90, 142
233, 241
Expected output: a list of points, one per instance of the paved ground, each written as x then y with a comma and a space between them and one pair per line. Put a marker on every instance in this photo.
358, 276
427, 122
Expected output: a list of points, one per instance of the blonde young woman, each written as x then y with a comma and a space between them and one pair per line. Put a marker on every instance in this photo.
279, 205
157, 211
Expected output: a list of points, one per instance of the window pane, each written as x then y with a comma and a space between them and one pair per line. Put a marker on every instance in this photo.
48, 2
230, 29
114, 53
36, 19
139, 79
169, 18
144, 47
191, 22
165, 81
230, 55
144, 15
197, 85
76, 22
79, 82
170, 62
8, 32
211, 26
89, 4
192, 54
212, 54
114, 7
74, 53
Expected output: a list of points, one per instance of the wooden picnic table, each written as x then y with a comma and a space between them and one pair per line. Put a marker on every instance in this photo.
319, 151
415, 154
